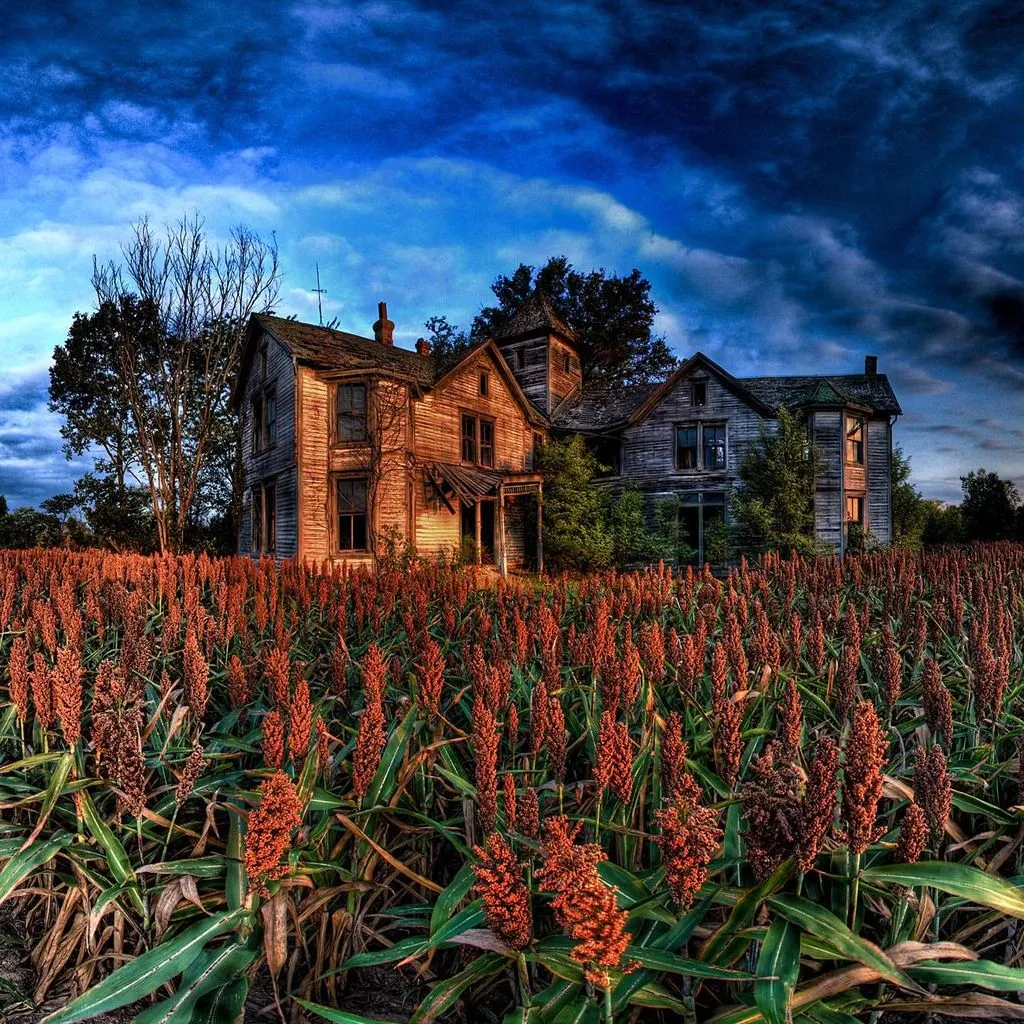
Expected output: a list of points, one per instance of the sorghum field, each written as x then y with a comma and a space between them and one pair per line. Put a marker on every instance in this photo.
790, 794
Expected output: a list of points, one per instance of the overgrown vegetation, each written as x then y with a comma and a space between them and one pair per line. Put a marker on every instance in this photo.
794, 792
773, 508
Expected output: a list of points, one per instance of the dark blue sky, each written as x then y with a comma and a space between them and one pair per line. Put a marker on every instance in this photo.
803, 183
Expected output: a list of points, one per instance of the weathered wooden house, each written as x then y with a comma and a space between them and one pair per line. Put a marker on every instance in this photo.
353, 444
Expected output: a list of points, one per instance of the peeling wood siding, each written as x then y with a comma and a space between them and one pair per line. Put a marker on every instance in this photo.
562, 381
829, 510
879, 503
649, 447
533, 377
277, 461
313, 458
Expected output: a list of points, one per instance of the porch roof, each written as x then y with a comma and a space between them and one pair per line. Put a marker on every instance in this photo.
471, 483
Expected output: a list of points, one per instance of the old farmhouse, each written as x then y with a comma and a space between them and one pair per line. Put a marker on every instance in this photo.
353, 444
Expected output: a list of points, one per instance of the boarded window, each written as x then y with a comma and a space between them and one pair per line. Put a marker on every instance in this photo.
714, 445
699, 393
686, 446
351, 506
351, 413
855, 440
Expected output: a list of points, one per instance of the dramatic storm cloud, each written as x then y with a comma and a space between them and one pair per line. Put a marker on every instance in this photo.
803, 183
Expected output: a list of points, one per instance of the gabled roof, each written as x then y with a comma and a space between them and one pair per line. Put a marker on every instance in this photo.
488, 347
870, 390
535, 316
607, 407
339, 350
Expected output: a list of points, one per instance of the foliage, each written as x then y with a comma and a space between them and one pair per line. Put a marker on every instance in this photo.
211, 769
634, 542
989, 508
447, 343
943, 524
576, 534
773, 507
612, 317
908, 508
144, 381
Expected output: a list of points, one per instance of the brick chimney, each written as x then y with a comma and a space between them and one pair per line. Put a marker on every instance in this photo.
870, 365
383, 329
422, 347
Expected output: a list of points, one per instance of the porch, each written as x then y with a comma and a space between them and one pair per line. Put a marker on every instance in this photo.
491, 514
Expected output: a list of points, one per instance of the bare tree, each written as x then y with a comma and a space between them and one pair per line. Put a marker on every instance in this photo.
177, 380
385, 453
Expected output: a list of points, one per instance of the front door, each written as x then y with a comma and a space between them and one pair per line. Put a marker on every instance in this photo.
477, 531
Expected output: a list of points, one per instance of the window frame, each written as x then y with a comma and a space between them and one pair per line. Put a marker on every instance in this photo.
337, 515
485, 384
263, 517
699, 427
702, 383
257, 409
476, 439
351, 411
852, 425
520, 358
863, 505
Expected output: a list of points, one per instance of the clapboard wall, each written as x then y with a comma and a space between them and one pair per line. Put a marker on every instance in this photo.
829, 504
277, 462
879, 470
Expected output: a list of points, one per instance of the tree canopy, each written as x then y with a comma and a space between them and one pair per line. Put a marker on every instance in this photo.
989, 508
908, 510
612, 317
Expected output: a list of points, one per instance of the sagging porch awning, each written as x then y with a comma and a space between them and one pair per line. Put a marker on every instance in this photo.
467, 483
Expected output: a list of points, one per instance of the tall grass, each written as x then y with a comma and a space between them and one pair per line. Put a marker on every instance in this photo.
793, 794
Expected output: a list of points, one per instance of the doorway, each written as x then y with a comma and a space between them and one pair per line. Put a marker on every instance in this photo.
702, 527
481, 512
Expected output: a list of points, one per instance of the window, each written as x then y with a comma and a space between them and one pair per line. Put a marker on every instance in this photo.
477, 440
702, 446
264, 518
350, 413
270, 417
714, 445
608, 452
263, 363
520, 358
566, 364
686, 447
855, 509
257, 520
855, 440
485, 384
468, 439
351, 510
699, 393
264, 419
486, 443
258, 423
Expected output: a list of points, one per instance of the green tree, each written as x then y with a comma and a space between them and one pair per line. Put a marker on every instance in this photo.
989, 507
576, 534
908, 511
447, 342
612, 317
634, 542
943, 524
28, 528
774, 505
173, 314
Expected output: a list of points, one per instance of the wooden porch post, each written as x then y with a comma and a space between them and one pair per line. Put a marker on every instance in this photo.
540, 528
479, 553
500, 531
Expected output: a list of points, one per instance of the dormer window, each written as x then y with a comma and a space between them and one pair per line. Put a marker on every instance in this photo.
485, 384
699, 393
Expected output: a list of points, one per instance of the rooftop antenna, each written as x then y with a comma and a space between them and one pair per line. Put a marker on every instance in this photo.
319, 293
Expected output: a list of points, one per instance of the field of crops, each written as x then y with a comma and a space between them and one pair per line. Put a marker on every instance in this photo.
791, 794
